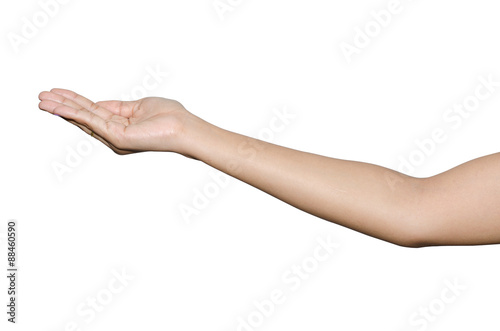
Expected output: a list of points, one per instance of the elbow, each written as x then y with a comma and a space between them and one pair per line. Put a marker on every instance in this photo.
406, 232
412, 243
420, 230
410, 240
413, 240
415, 222
417, 232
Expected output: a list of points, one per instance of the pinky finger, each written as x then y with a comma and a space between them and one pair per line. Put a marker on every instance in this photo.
101, 139
109, 130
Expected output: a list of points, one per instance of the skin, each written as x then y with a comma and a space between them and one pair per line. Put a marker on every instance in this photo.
457, 207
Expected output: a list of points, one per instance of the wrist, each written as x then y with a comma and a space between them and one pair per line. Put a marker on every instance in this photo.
193, 136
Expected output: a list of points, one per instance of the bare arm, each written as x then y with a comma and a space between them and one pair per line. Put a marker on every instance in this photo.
361, 196
457, 207
461, 206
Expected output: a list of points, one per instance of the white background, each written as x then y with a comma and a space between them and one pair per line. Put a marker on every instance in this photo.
122, 212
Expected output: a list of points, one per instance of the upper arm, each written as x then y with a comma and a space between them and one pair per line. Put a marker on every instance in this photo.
461, 206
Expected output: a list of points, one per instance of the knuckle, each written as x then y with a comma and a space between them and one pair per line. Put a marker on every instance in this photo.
91, 117
93, 107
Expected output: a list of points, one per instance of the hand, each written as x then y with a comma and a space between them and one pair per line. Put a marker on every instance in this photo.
149, 124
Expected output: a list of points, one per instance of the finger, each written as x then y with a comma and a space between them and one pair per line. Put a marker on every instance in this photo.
101, 139
56, 99
45, 95
90, 132
83, 103
109, 130
117, 107
50, 105
68, 102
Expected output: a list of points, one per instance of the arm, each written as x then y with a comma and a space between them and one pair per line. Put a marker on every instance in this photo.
453, 208
361, 196
458, 207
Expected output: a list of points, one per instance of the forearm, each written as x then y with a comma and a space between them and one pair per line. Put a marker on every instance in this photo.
368, 198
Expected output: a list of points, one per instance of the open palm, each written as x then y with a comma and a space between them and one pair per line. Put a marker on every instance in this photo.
149, 124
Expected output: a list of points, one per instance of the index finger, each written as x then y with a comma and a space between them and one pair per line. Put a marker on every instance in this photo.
83, 102
110, 130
